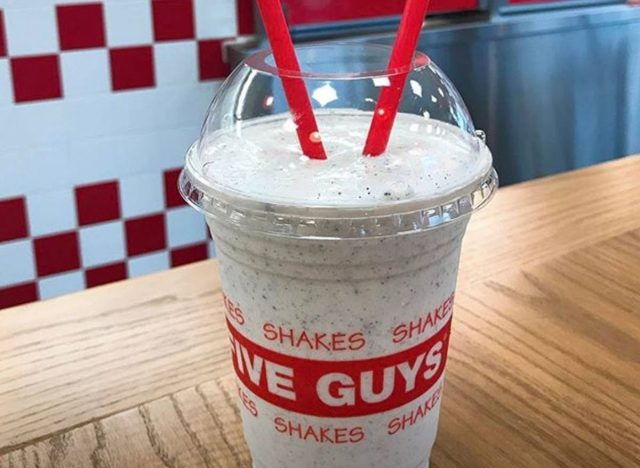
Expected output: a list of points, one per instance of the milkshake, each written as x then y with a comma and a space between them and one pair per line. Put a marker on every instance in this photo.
339, 280
338, 275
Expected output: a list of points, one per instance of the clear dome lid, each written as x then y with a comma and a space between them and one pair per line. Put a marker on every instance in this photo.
247, 167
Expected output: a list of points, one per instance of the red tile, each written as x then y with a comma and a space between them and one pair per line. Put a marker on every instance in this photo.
18, 294
172, 19
245, 17
171, 195
80, 26
96, 203
210, 62
145, 234
189, 254
3, 37
132, 67
13, 219
57, 253
36, 78
105, 274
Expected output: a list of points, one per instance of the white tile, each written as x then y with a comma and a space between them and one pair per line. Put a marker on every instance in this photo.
114, 113
15, 172
181, 105
145, 264
16, 262
49, 165
35, 124
31, 31
65, 2
85, 72
57, 285
8, 4
51, 211
130, 154
185, 226
114, 135
45, 2
167, 107
96, 137
212, 249
215, 18
99, 116
92, 160
157, 150
123, 138
141, 194
175, 144
46, 169
136, 112
102, 243
128, 22
6, 89
29, 170
136, 153
176, 62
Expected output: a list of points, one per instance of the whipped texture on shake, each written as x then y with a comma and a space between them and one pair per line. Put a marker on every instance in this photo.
262, 160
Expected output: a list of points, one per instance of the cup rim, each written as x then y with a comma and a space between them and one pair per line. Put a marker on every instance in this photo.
258, 61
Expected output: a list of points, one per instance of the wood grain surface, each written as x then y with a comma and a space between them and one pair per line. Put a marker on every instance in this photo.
543, 371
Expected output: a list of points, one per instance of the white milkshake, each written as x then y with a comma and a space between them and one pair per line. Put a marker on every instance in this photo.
339, 279
426, 159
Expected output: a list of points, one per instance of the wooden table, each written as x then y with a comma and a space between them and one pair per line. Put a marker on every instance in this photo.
543, 371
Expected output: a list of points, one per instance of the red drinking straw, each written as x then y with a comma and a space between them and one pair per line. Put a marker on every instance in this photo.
294, 88
404, 49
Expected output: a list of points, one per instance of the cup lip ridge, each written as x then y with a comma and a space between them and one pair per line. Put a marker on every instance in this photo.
258, 62
339, 222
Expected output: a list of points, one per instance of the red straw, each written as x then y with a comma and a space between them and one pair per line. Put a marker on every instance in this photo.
404, 49
294, 88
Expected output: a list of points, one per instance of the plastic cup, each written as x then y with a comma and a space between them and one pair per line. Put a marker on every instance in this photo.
339, 306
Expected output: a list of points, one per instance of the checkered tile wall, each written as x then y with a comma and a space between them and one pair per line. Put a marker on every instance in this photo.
98, 103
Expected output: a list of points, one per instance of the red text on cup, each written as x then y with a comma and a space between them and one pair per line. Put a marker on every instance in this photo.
339, 388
